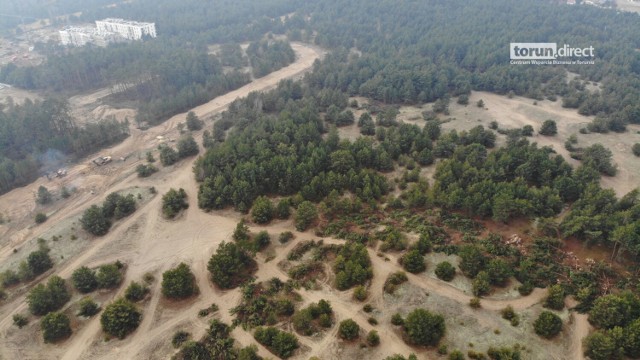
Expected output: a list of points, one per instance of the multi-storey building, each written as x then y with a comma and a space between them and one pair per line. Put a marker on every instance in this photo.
132, 30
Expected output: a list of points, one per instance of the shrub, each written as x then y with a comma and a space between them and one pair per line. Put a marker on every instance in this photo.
445, 271
600, 346
193, 122
285, 237
173, 202
168, 155
352, 265
44, 196
548, 324
88, 307
360, 293
230, 265
393, 281
39, 261
636, 149
306, 215
475, 303
84, 279
456, 355
555, 298
413, 262
261, 240
397, 320
109, 276
146, 170
44, 299
373, 339
262, 211
463, 99
40, 218
525, 289
120, 318
94, 221
279, 342
20, 320
372, 321
508, 313
55, 326
527, 130
424, 328
179, 338
481, 284
8, 278
348, 330
187, 146
548, 128
135, 292
179, 283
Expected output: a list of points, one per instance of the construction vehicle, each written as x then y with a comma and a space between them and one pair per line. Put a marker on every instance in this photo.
102, 160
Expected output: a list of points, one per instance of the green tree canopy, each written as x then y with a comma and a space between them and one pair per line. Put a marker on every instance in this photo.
179, 283
120, 318
424, 328
55, 326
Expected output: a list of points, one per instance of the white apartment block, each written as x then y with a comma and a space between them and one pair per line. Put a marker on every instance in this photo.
131, 30
76, 36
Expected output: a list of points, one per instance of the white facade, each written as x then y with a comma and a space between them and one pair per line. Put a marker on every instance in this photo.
131, 30
75, 36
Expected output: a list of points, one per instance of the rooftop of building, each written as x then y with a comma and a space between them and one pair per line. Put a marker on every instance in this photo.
125, 22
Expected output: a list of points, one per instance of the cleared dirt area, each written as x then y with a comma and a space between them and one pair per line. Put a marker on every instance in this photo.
148, 243
17, 95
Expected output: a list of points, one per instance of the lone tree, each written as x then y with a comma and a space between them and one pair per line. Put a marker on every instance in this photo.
413, 262
548, 324
349, 330
84, 280
109, 276
168, 155
44, 196
230, 265
55, 326
187, 146
179, 283
174, 201
548, 128
424, 328
193, 122
445, 271
94, 221
88, 307
120, 318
